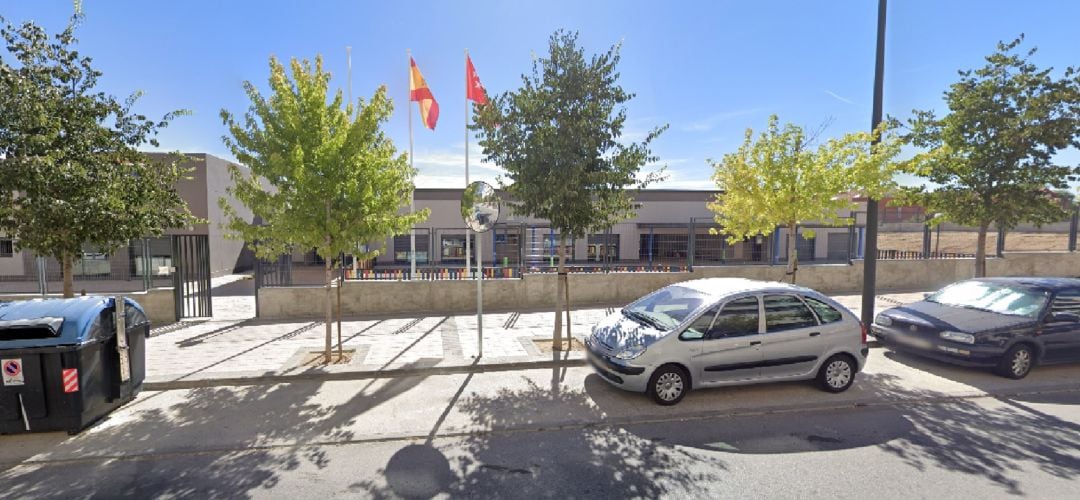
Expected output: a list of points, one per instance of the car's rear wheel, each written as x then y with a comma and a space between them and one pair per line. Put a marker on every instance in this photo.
837, 373
1017, 362
668, 384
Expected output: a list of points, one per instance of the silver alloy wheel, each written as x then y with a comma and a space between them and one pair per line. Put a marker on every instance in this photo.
838, 374
1021, 362
669, 386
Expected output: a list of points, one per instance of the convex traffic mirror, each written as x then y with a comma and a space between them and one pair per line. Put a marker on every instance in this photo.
480, 206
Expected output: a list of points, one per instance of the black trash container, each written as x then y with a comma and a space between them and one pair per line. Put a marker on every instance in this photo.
61, 362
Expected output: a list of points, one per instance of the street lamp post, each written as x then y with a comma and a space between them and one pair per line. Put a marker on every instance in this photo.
870, 259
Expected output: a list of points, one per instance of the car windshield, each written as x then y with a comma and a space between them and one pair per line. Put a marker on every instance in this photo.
992, 297
667, 308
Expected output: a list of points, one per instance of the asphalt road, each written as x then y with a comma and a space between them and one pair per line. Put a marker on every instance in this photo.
907, 429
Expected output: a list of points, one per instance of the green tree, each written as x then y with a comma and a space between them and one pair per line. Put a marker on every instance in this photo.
992, 155
559, 139
322, 176
781, 179
72, 174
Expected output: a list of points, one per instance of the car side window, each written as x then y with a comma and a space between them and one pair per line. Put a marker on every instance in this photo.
786, 312
700, 327
825, 312
1066, 301
737, 318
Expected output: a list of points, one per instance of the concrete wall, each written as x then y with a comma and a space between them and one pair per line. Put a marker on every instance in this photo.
537, 291
226, 255
13, 265
158, 304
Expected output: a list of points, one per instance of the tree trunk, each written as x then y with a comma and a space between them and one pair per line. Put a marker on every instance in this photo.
556, 343
980, 251
69, 283
341, 283
792, 253
566, 295
329, 306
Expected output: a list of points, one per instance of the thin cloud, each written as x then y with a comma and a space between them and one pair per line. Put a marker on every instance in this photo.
838, 97
707, 124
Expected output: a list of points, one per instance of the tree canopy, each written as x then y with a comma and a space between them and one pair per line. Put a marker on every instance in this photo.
322, 174
559, 138
781, 179
72, 173
992, 156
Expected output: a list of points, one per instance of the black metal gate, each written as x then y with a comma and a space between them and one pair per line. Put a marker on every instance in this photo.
191, 280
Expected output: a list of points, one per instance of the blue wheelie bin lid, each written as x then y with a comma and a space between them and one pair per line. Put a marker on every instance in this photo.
54, 322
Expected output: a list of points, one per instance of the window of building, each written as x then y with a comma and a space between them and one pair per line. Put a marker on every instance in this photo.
551, 247
786, 312
402, 245
453, 247
738, 318
709, 248
7, 248
663, 247
92, 264
601, 246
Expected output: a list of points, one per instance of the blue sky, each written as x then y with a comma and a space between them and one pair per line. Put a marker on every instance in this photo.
709, 69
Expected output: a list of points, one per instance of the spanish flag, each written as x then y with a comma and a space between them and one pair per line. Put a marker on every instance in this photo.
419, 92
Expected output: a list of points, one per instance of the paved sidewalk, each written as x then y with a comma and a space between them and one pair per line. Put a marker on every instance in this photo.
238, 351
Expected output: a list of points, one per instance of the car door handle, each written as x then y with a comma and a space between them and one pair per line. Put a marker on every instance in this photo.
756, 342
815, 334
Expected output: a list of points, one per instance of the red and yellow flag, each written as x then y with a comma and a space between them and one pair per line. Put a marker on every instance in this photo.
419, 92
474, 90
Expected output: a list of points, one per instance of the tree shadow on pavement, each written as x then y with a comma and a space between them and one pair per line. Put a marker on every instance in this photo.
239, 288
1056, 378
985, 437
231, 442
542, 443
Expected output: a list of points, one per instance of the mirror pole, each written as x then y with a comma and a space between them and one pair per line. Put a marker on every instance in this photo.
479, 297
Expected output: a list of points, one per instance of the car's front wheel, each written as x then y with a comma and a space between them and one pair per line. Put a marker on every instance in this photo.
1017, 362
668, 384
837, 373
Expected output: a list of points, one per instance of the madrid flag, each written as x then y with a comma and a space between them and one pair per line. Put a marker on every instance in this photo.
475, 90
419, 92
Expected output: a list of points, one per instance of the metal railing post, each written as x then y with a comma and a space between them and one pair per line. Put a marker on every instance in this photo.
926, 241
691, 246
1073, 226
1001, 242
43, 279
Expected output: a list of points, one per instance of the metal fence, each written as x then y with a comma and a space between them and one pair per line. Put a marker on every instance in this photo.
917, 240
513, 250
140, 265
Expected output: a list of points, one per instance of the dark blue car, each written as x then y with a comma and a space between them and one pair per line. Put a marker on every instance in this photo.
1009, 324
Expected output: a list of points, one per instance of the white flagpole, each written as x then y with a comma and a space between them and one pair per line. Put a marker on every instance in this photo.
412, 165
348, 56
468, 232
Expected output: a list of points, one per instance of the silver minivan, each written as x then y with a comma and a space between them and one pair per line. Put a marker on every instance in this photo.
727, 331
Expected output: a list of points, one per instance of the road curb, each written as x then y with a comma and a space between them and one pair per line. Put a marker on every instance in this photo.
168, 385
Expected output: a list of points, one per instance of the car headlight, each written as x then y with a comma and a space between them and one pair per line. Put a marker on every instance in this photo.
883, 320
964, 338
631, 352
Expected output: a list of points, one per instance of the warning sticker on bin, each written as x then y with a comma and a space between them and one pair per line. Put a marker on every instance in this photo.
13, 371
71, 380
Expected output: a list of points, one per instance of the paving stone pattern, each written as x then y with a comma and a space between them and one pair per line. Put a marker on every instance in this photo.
230, 347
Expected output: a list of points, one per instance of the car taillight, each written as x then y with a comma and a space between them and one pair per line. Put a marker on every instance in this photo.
863, 327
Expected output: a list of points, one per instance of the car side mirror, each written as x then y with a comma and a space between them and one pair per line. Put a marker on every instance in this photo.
926, 295
1059, 317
